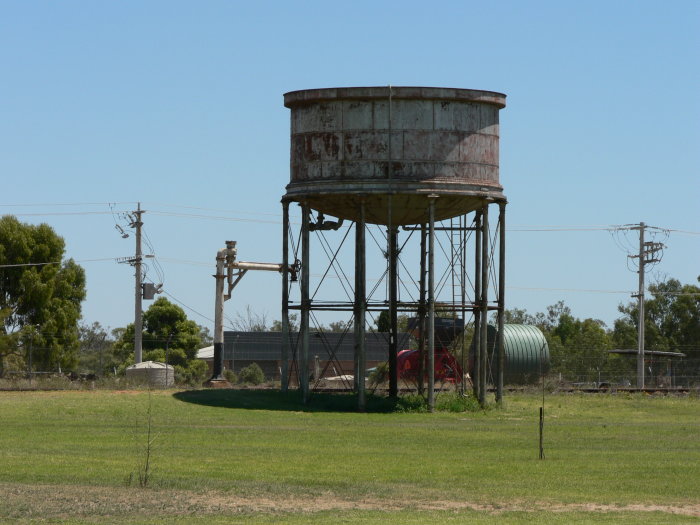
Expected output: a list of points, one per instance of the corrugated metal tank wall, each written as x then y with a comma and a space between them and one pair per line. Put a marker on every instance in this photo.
408, 142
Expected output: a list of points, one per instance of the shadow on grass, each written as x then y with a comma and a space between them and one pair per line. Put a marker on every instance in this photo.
289, 401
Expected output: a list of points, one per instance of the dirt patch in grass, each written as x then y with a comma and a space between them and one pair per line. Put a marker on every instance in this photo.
66, 501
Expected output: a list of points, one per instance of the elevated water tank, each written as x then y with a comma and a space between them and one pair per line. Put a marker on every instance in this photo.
371, 143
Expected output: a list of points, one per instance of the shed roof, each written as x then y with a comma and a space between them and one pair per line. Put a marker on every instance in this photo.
266, 346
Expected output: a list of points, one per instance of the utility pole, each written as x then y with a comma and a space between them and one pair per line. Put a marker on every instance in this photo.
138, 291
141, 291
647, 251
640, 321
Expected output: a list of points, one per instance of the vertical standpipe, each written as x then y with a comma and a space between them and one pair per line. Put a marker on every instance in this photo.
220, 276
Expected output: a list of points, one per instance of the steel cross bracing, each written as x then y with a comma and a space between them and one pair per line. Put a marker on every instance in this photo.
465, 300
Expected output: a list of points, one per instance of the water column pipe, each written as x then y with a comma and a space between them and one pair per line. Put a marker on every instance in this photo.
222, 273
225, 265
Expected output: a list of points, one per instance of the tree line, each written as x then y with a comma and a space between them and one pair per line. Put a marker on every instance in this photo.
40, 308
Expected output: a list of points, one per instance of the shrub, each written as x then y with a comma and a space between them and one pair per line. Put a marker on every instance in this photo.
193, 374
411, 403
252, 374
379, 375
231, 376
444, 402
454, 402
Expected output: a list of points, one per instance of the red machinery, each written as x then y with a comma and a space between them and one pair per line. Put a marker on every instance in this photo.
446, 366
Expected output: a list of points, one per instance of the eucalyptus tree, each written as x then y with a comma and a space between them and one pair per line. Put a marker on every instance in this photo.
40, 296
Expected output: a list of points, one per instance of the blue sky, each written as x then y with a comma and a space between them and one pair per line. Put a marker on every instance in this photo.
179, 105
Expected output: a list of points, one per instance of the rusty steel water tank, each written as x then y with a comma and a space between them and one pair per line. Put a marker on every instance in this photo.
371, 143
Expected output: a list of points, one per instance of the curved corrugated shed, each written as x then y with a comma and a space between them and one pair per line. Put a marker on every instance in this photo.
526, 353
525, 347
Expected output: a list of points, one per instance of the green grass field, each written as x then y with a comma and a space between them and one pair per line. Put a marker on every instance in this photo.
252, 456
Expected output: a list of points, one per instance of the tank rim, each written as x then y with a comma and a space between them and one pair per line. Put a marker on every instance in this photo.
307, 96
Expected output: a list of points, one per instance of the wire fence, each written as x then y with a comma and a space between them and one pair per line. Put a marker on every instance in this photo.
574, 368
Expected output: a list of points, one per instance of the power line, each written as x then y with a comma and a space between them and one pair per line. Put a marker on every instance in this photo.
558, 229
688, 232
184, 261
211, 217
216, 209
540, 289
188, 307
55, 262
64, 213
64, 204
524, 228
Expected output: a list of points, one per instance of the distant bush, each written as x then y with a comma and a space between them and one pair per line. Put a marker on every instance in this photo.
411, 403
379, 375
231, 376
454, 402
193, 374
252, 374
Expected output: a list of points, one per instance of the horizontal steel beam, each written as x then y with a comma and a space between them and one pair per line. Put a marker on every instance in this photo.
441, 228
268, 267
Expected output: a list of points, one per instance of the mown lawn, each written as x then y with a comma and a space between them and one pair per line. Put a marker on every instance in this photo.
259, 457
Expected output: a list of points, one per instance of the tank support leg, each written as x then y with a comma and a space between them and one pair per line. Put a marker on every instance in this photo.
393, 317
476, 358
284, 358
501, 300
305, 305
431, 305
484, 320
422, 309
360, 308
